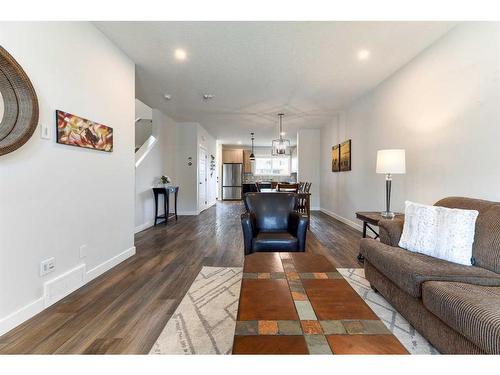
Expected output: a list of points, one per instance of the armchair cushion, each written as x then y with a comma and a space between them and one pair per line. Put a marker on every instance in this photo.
409, 270
272, 241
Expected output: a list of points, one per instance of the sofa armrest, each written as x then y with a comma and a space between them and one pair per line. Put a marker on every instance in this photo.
390, 231
297, 227
249, 230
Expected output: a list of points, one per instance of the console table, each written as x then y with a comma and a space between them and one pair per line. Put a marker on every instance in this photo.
165, 191
371, 217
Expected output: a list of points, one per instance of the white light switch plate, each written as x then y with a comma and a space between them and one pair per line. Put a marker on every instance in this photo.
47, 266
45, 131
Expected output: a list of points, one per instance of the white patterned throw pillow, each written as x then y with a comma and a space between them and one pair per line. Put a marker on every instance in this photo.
444, 233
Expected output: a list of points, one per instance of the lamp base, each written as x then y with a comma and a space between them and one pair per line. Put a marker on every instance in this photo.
387, 214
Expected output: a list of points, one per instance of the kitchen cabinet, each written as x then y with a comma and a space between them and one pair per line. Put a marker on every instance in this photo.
247, 165
232, 156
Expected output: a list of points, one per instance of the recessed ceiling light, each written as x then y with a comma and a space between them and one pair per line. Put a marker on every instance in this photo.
208, 96
180, 54
239, 142
363, 54
167, 96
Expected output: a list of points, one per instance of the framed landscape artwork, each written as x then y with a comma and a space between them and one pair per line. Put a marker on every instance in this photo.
336, 158
345, 156
77, 131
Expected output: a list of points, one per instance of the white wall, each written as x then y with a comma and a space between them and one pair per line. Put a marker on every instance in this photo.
143, 130
443, 108
219, 169
160, 160
190, 135
187, 176
143, 127
142, 110
308, 162
206, 140
54, 198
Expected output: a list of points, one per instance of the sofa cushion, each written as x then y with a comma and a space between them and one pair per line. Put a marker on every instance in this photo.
472, 310
273, 241
486, 247
409, 270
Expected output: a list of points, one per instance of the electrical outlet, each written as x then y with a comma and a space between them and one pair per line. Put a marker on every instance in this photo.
47, 266
45, 131
83, 251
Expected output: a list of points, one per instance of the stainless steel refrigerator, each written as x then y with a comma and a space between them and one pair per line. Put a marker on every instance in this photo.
232, 174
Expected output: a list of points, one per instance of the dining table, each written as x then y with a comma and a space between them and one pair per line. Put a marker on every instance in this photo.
301, 195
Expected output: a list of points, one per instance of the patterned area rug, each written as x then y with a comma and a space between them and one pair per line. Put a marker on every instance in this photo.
406, 334
205, 320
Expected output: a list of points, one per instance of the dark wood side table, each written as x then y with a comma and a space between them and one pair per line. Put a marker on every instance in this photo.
165, 191
371, 218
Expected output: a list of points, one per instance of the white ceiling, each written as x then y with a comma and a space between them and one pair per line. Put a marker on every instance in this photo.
308, 70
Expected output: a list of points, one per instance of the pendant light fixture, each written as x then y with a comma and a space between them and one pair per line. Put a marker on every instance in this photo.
252, 156
281, 146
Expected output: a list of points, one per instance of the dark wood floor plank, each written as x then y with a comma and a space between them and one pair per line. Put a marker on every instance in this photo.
125, 309
34, 333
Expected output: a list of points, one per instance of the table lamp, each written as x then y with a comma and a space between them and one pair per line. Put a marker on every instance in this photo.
390, 162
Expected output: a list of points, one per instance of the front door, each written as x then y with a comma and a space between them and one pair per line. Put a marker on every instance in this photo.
202, 180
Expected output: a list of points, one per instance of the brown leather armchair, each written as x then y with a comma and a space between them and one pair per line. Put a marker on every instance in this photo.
272, 223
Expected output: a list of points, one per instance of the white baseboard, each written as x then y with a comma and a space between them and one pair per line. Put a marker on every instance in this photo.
315, 208
188, 213
58, 288
19, 316
146, 225
108, 264
351, 223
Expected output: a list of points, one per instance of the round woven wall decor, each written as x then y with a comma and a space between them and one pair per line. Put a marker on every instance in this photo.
20, 117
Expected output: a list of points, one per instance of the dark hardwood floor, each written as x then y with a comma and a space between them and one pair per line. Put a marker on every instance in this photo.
125, 309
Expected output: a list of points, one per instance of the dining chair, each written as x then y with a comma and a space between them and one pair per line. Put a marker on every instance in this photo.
301, 186
263, 185
302, 204
289, 188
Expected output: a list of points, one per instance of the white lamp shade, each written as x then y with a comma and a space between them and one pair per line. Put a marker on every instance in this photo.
391, 161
